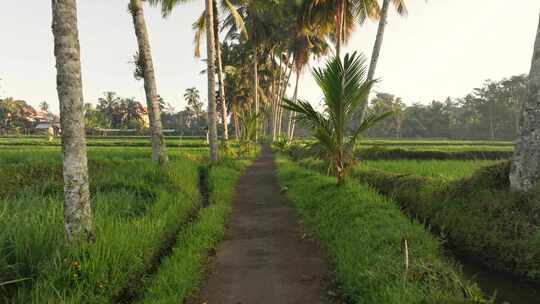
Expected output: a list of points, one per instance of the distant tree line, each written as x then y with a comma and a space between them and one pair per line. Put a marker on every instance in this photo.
490, 112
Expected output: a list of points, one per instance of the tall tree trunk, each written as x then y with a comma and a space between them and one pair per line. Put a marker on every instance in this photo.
235, 120
256, 89
525, 170
159, 153
77, 209
221, 82
290, 129
339, 25
212, 117
491, 125
376, 52
283, 92
275, 97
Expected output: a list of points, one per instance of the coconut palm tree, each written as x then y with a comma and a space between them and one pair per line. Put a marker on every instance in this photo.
344, 88
402, 11
525, 170
199, 26
159, 153
44, 107
212, 117
77, 209
343, 15
308, 40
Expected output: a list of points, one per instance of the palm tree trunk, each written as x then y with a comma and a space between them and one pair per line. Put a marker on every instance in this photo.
220, 75
525, 170
77, 209
212, 117
159, 153
235, 120
256, 89
277, 90
283, 92
339, 25
290, 129
376, 51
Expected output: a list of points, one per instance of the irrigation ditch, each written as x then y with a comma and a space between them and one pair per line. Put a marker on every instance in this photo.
133, 290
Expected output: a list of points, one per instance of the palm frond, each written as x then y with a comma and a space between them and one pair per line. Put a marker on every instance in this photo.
199, 26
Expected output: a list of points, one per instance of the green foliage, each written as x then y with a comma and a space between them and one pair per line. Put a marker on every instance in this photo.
363, 234
478, 214
491, 111
447, 169
183, 270
136, 206
344, 89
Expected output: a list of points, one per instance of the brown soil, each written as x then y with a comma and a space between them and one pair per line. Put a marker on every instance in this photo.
266, 256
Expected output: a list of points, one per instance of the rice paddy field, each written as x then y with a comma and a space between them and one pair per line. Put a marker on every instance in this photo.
441, 169
142, 214
154, 228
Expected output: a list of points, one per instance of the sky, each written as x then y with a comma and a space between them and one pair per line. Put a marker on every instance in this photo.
442, 48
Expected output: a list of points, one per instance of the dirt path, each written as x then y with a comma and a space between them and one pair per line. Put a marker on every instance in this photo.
264, 258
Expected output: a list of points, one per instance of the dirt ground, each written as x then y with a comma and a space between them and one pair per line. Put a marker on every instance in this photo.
266, 257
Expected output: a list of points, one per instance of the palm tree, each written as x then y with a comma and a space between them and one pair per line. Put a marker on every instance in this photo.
343, 14
44, 106
212, 117
199, 26
525, 170
77, 209
402, 11
308, 41
344, 89
108, 105
159, 153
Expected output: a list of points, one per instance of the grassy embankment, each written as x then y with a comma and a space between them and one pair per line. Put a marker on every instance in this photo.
468, 203
363, 233
477, 213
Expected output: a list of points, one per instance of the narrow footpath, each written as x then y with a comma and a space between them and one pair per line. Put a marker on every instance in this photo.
265, 257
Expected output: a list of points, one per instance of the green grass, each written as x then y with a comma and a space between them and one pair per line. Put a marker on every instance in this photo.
183, 270
434, 142
443, 169
363, 232
468, 202
136, 206
135, 141
420, 150
478, 214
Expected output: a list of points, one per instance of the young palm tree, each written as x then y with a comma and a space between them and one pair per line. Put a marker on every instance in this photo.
344, 89
77, 210
525, 171
159, 153
402, 11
